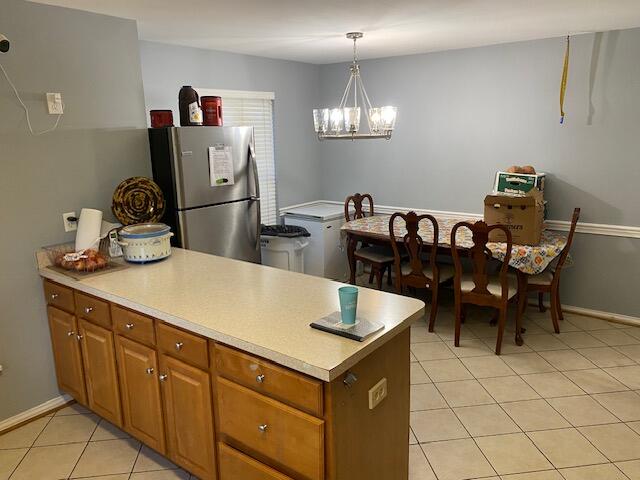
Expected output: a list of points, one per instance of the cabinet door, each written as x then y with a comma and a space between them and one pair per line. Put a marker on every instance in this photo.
100, 371
66, 352
188, 416
141, 402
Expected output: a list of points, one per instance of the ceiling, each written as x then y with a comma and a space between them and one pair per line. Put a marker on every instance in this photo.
313, 31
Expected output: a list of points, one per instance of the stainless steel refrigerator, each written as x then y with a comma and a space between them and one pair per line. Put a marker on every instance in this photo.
209, 178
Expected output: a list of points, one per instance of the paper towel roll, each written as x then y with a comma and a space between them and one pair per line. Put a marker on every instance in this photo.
88, 234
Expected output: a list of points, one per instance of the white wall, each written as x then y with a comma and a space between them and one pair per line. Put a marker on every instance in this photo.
464, 114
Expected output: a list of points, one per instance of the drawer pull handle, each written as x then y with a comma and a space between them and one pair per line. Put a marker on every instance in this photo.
54, 296
260, 378
129, 326
179, 346
149, 370
71, 333
88, 310
79, 337
163, 377
263, 428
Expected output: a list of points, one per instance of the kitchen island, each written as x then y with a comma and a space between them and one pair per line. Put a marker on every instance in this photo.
211, 362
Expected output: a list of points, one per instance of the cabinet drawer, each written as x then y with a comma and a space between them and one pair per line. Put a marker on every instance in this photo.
286, 438
186, 346
272, 380
133, 325
93, 309
59, 296
235, 465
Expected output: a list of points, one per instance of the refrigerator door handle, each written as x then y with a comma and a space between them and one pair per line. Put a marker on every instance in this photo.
254, 167
256, 196
258, 222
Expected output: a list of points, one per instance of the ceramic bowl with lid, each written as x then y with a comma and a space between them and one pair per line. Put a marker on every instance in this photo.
145, 242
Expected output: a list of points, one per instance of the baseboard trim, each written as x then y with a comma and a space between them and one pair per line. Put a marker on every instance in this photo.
611, 317
35, 412
625, 231
589, 312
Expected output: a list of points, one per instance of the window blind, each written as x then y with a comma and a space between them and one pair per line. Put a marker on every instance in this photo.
254, 109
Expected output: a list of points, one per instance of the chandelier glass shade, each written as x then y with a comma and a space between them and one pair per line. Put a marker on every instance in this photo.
343, 122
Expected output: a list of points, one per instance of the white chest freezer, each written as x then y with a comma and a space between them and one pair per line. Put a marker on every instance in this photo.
324, 256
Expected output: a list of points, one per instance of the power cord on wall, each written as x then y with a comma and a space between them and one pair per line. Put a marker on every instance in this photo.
26, 110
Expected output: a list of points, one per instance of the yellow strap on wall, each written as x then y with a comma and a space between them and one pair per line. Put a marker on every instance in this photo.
563, 83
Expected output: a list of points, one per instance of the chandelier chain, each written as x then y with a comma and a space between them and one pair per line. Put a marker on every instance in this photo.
355, 51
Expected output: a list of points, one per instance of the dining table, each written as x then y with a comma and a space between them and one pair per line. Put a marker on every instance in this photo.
525, 259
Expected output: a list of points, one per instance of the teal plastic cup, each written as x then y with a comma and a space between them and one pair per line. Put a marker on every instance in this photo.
348, 304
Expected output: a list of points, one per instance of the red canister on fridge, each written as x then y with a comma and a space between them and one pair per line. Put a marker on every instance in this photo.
161, 118
212, 111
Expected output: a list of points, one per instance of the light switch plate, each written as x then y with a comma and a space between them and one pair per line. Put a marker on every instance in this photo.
377, 393
54, 103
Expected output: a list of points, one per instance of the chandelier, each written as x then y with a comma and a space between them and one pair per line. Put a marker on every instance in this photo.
343, 122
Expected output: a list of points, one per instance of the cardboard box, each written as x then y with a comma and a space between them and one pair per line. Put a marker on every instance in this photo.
522, 215
518, 183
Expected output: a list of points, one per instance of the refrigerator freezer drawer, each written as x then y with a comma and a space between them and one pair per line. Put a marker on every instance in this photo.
228, 230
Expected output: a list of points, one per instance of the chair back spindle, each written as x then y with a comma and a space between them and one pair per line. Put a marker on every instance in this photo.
567, 247
413, 246
480, 256
357, 199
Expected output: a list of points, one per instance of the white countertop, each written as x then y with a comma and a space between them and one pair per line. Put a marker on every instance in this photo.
258, 309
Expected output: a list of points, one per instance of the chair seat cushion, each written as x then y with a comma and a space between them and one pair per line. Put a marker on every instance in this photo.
494, 287
375, 254
544, 278
446, 271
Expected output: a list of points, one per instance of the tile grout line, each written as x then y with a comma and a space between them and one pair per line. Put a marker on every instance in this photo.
425, 456
577, 430
567, 420
84, 449
556, 369
463, 426
133, 465
31, 446
517, 425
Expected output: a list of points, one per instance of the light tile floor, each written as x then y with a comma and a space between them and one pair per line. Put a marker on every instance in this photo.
74, 443
560, 407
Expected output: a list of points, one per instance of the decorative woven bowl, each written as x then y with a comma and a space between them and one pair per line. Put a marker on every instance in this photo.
138, 200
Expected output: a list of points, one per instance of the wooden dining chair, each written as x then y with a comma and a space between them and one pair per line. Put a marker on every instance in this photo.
379, 258
549, 280
482, 287
422, 270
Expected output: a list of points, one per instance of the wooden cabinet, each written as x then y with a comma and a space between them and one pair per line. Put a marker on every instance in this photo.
286, 438
155, 381
98, 355
235, 465
59, 296
188, 416
92, 309
183, 345
292, 388
133, 325
141, 401
66, 353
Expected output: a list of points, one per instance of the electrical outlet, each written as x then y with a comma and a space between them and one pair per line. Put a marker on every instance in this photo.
54, 103
377, 393
69, 226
